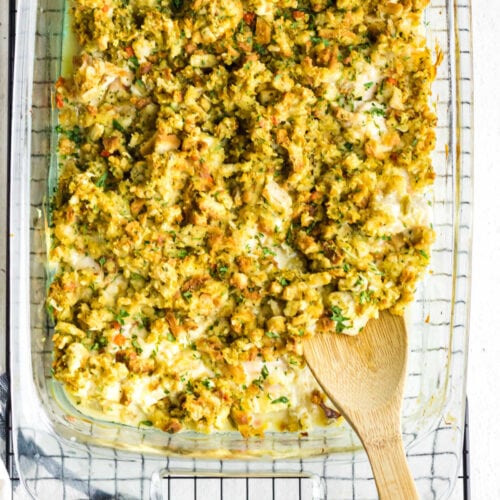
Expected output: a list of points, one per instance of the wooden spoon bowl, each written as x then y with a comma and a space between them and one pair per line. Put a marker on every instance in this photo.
364, 376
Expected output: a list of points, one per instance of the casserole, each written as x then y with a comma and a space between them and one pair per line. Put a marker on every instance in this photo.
214, 209
48, 429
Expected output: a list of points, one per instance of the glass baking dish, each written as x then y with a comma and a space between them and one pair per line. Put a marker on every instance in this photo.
57, 448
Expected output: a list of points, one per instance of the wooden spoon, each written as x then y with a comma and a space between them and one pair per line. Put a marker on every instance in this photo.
364, 375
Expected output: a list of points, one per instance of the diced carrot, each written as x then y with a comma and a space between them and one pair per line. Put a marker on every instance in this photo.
298, 14
391, 80
248, 17
119, 339
105, 153
60, 82
69, 287
115, 325
315, 196
59, 101
129, 51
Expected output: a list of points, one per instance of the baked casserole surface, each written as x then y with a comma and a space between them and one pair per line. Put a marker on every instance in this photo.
234, 176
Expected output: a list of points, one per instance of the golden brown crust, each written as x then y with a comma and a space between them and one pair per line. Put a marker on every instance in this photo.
235, 175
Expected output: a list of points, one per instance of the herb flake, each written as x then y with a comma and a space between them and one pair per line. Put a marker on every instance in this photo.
339, 318
282, 399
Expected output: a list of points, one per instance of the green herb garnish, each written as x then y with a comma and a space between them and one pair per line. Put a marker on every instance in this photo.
101, 182
118, 126
365, 296
121, 315
339, 318
136, 345
75, 135
272, 335
100, 343
316, 40
423, 254
260, 49
207, 383
268, 251
258, 383
374, 111
282, 399
134, 62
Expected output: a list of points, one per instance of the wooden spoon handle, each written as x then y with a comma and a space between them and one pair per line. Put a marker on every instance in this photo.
390, 469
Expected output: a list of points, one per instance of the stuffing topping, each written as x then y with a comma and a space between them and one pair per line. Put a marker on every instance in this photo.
234, 177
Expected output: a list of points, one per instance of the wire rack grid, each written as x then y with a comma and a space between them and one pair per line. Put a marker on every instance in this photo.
82, 471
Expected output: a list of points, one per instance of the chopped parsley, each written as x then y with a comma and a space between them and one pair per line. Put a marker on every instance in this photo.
316, 40
282, 399
222, 270
260, 49
136, 345
423, 254
207, 383
272, 335
376, 111
339, 318
100, 343
121, 315
118, 126
134, 62
365, 296
75, 135
101, 182
259, 383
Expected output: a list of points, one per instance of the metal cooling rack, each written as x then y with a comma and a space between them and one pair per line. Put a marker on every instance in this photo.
105, 472
213, 486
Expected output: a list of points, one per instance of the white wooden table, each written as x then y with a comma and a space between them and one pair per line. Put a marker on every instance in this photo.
484, 353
